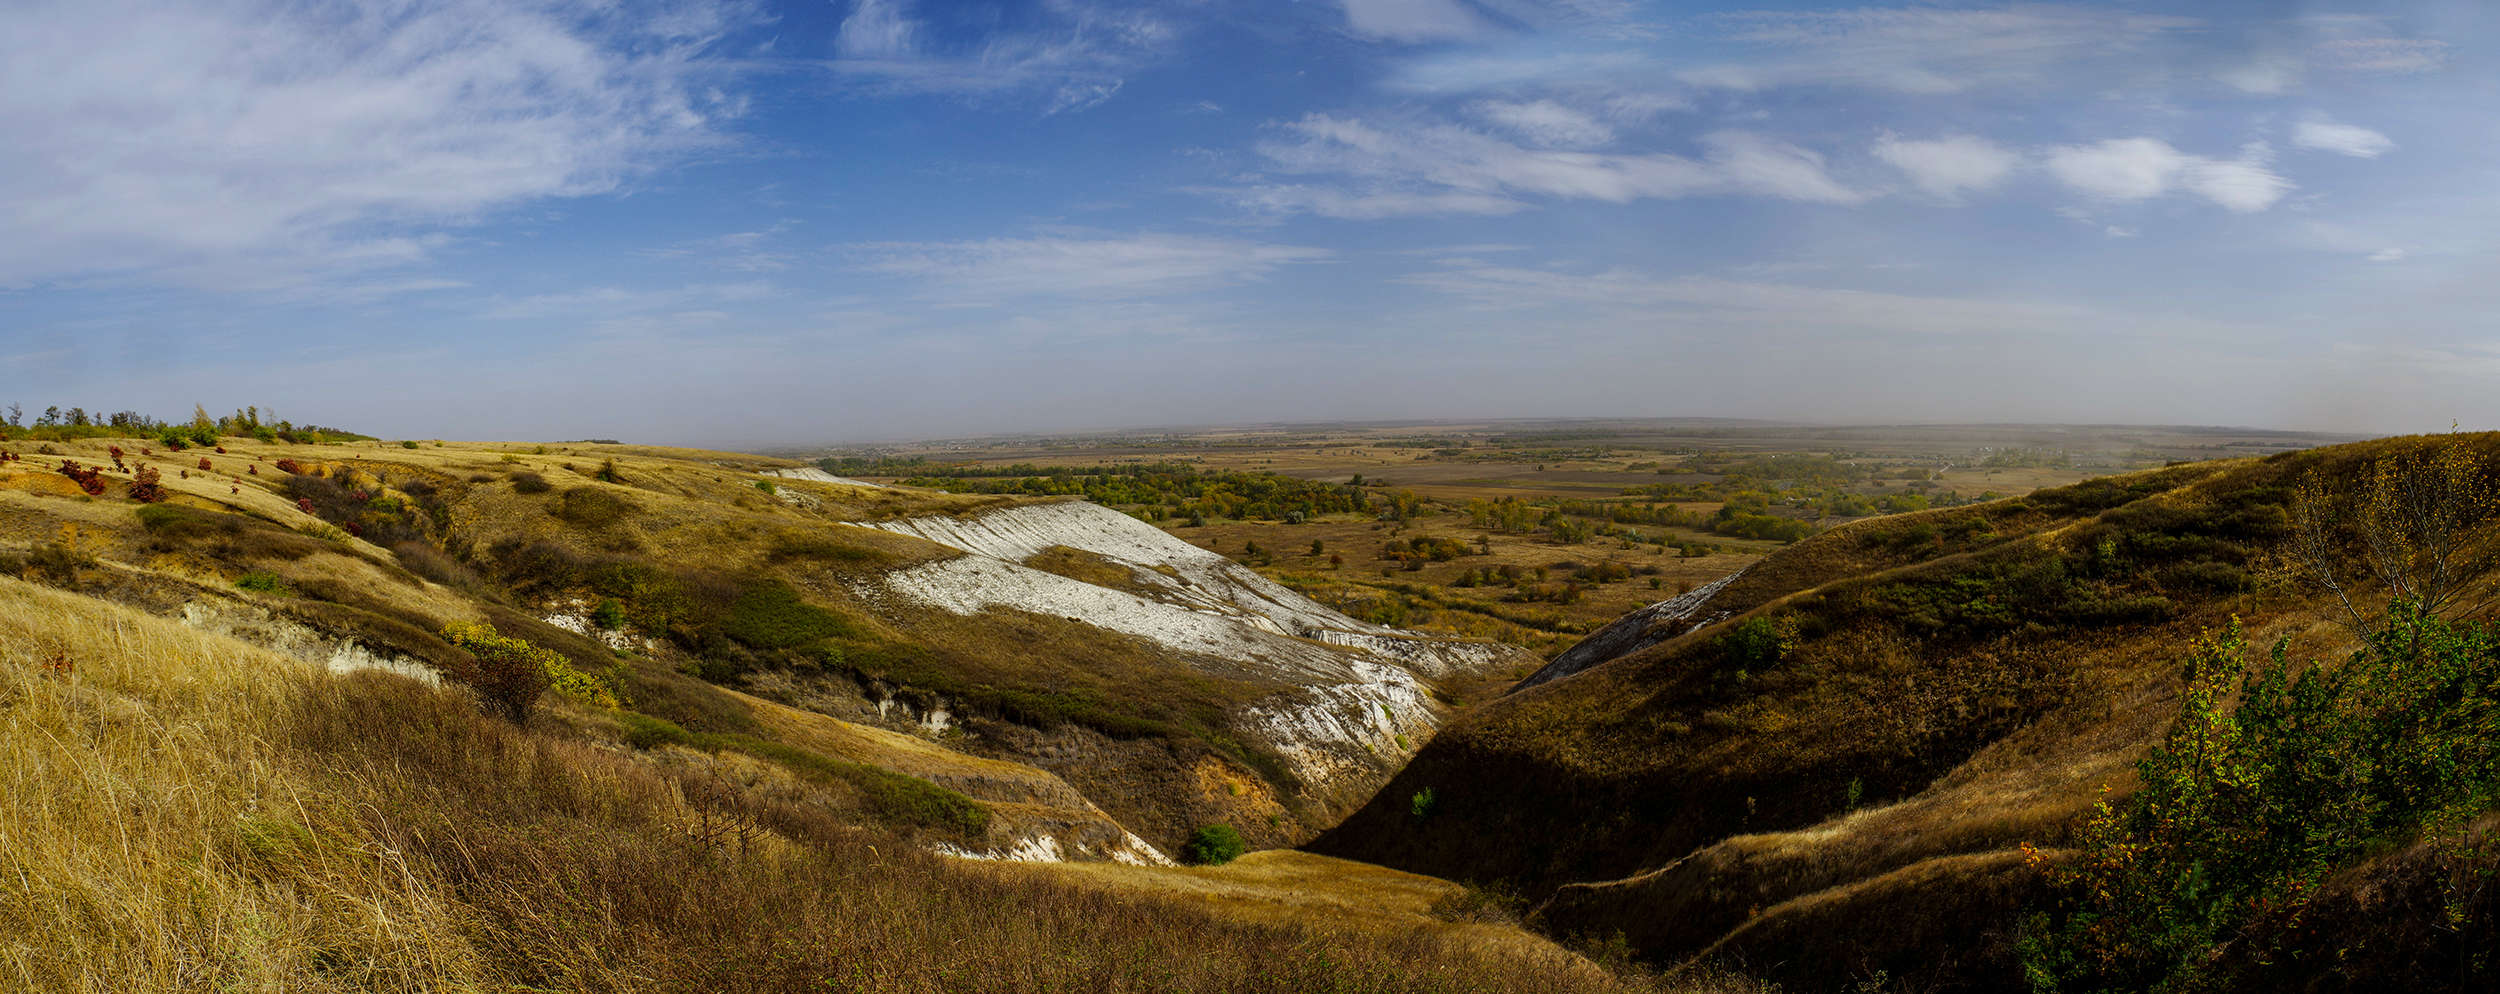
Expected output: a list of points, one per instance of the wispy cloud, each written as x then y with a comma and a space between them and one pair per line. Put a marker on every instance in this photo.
1546, 123
1071, 55
1414, 20
1092, 266
1927, 49
745, 251
1437, 167
617, 302
255, 143
2322, 134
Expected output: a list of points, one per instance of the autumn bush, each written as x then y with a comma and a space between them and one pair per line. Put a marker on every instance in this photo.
88, 478
511, 673
146, 487
2248, 807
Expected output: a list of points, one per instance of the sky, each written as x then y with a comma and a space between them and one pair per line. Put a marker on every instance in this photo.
812, 222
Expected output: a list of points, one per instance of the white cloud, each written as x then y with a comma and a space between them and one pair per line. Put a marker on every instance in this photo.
1928, 49
1472, 69
2267, 75
1364, 205
2343, 139
1413, 20
1079, 55
2388, 255
988, 270
1737, 303
2244, 185
1546, 123
1949, 166
254, 143
1757, 164
2396, 56
2133, 169
876, 28
1418, 166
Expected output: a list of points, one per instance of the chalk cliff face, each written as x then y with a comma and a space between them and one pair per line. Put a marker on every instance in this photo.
1679, 615
1353, 699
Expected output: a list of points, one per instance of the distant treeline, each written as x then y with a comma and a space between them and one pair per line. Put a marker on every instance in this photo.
1157, 491
58, 424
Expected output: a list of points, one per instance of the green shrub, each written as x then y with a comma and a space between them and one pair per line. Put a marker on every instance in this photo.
512, 672
530, 483
1756, 643
407, 445
1421, 804
1212, 845
263, 581
610, 614
2246, 810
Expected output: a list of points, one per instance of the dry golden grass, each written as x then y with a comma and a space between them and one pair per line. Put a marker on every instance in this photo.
152, 839
184, 812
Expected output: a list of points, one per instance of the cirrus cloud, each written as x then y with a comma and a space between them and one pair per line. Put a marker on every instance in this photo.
252, 143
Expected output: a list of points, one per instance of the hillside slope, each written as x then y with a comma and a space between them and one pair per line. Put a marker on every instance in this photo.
185, 810
1834, 779
1123, 687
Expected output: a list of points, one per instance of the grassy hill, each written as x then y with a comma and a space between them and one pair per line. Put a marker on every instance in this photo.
187, 811
500, 717
1838, 778
694, 587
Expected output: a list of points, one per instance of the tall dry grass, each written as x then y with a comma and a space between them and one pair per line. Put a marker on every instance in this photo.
153, 839
181, 812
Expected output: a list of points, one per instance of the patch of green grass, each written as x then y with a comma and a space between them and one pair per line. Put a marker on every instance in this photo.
771, 615
262, 581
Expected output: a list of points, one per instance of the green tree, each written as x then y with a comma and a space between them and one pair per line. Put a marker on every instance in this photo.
2246, 809
1212, 845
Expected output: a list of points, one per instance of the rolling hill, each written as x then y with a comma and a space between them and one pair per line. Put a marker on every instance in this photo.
1856, 758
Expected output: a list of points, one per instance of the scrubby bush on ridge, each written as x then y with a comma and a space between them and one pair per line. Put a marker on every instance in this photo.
1212, 845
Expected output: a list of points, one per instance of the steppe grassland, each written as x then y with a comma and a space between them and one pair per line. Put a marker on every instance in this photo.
1450, 465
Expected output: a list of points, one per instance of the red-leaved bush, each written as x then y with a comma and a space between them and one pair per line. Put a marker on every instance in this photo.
304, 504
290, 466
204, 463
90, 479
145, 489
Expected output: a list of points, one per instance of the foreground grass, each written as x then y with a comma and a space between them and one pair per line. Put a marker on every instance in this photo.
184, 812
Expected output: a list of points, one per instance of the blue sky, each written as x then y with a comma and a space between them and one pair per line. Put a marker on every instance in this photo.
875, 219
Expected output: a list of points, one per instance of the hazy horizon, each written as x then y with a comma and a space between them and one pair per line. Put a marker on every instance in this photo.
809, 223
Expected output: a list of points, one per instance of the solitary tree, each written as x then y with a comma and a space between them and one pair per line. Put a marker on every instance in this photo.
2411, 515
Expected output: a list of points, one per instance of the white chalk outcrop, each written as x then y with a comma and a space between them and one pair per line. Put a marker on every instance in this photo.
814, 475
1356, 701
1678, 615
285, 636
